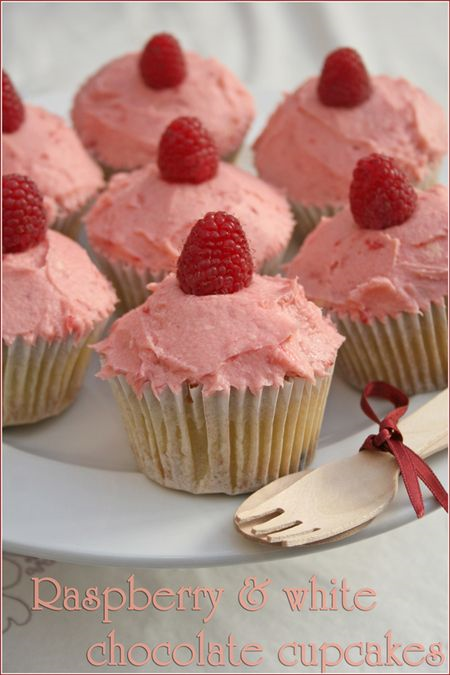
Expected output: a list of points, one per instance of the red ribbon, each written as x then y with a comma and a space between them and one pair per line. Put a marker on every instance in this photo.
389, 439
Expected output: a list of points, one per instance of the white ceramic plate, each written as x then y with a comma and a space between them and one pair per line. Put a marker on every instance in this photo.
72, 491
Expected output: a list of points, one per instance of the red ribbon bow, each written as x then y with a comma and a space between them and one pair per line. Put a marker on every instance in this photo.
389, 439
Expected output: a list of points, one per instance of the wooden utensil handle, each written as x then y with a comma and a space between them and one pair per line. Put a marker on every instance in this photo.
426, 430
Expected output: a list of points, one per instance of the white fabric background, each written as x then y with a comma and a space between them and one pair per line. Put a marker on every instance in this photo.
271, 46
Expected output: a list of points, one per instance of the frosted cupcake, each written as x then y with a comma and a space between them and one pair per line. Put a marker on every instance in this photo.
138, 225
122, 110
55, 303
221, 375
317, 134
380, 268
40, 145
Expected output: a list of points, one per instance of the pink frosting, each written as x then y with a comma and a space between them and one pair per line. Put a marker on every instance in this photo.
143, 220
311, 149
52, 291
370, 274
49, 152
120, 120
253, 338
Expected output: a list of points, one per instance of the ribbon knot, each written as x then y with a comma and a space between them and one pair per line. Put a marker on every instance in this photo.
386, 432
389, 439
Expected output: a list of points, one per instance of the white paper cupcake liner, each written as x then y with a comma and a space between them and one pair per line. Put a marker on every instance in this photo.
307, 217
234, 157
273, 265
42, 379
109, 171
70, 225
227, 442
131, 282
409, 351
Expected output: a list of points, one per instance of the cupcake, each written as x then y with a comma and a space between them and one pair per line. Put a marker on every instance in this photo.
55, 303
317, 134
122, 110
138, 225
380, 268
221, 375
40, 145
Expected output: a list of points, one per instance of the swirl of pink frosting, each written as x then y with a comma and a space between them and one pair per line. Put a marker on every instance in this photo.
53, 290
311, 149
49, 152
253, 338
143, 220
368, 274
120, 120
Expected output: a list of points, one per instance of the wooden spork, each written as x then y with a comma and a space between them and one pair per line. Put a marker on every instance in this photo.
344, 495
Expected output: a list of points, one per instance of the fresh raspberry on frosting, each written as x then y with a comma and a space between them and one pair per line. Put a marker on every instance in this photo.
380, 193
216, 258
23, 215
344, 81
187, 153
13, 112
162, 63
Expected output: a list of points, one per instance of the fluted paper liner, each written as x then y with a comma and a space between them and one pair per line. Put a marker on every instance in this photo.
42, 379
131, 282
226, 442
409, 351
307, 217
70, 225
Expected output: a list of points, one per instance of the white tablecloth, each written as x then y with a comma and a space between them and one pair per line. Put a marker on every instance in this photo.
271, 46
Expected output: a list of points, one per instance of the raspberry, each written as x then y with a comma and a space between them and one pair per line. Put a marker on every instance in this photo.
216, 257
344, 81
380, 193
13, 112
187, 153
162, 63
23, 215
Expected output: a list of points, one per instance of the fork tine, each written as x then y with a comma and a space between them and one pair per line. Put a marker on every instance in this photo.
317, 534
281, 522
265, 502
264, 510
295, 534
